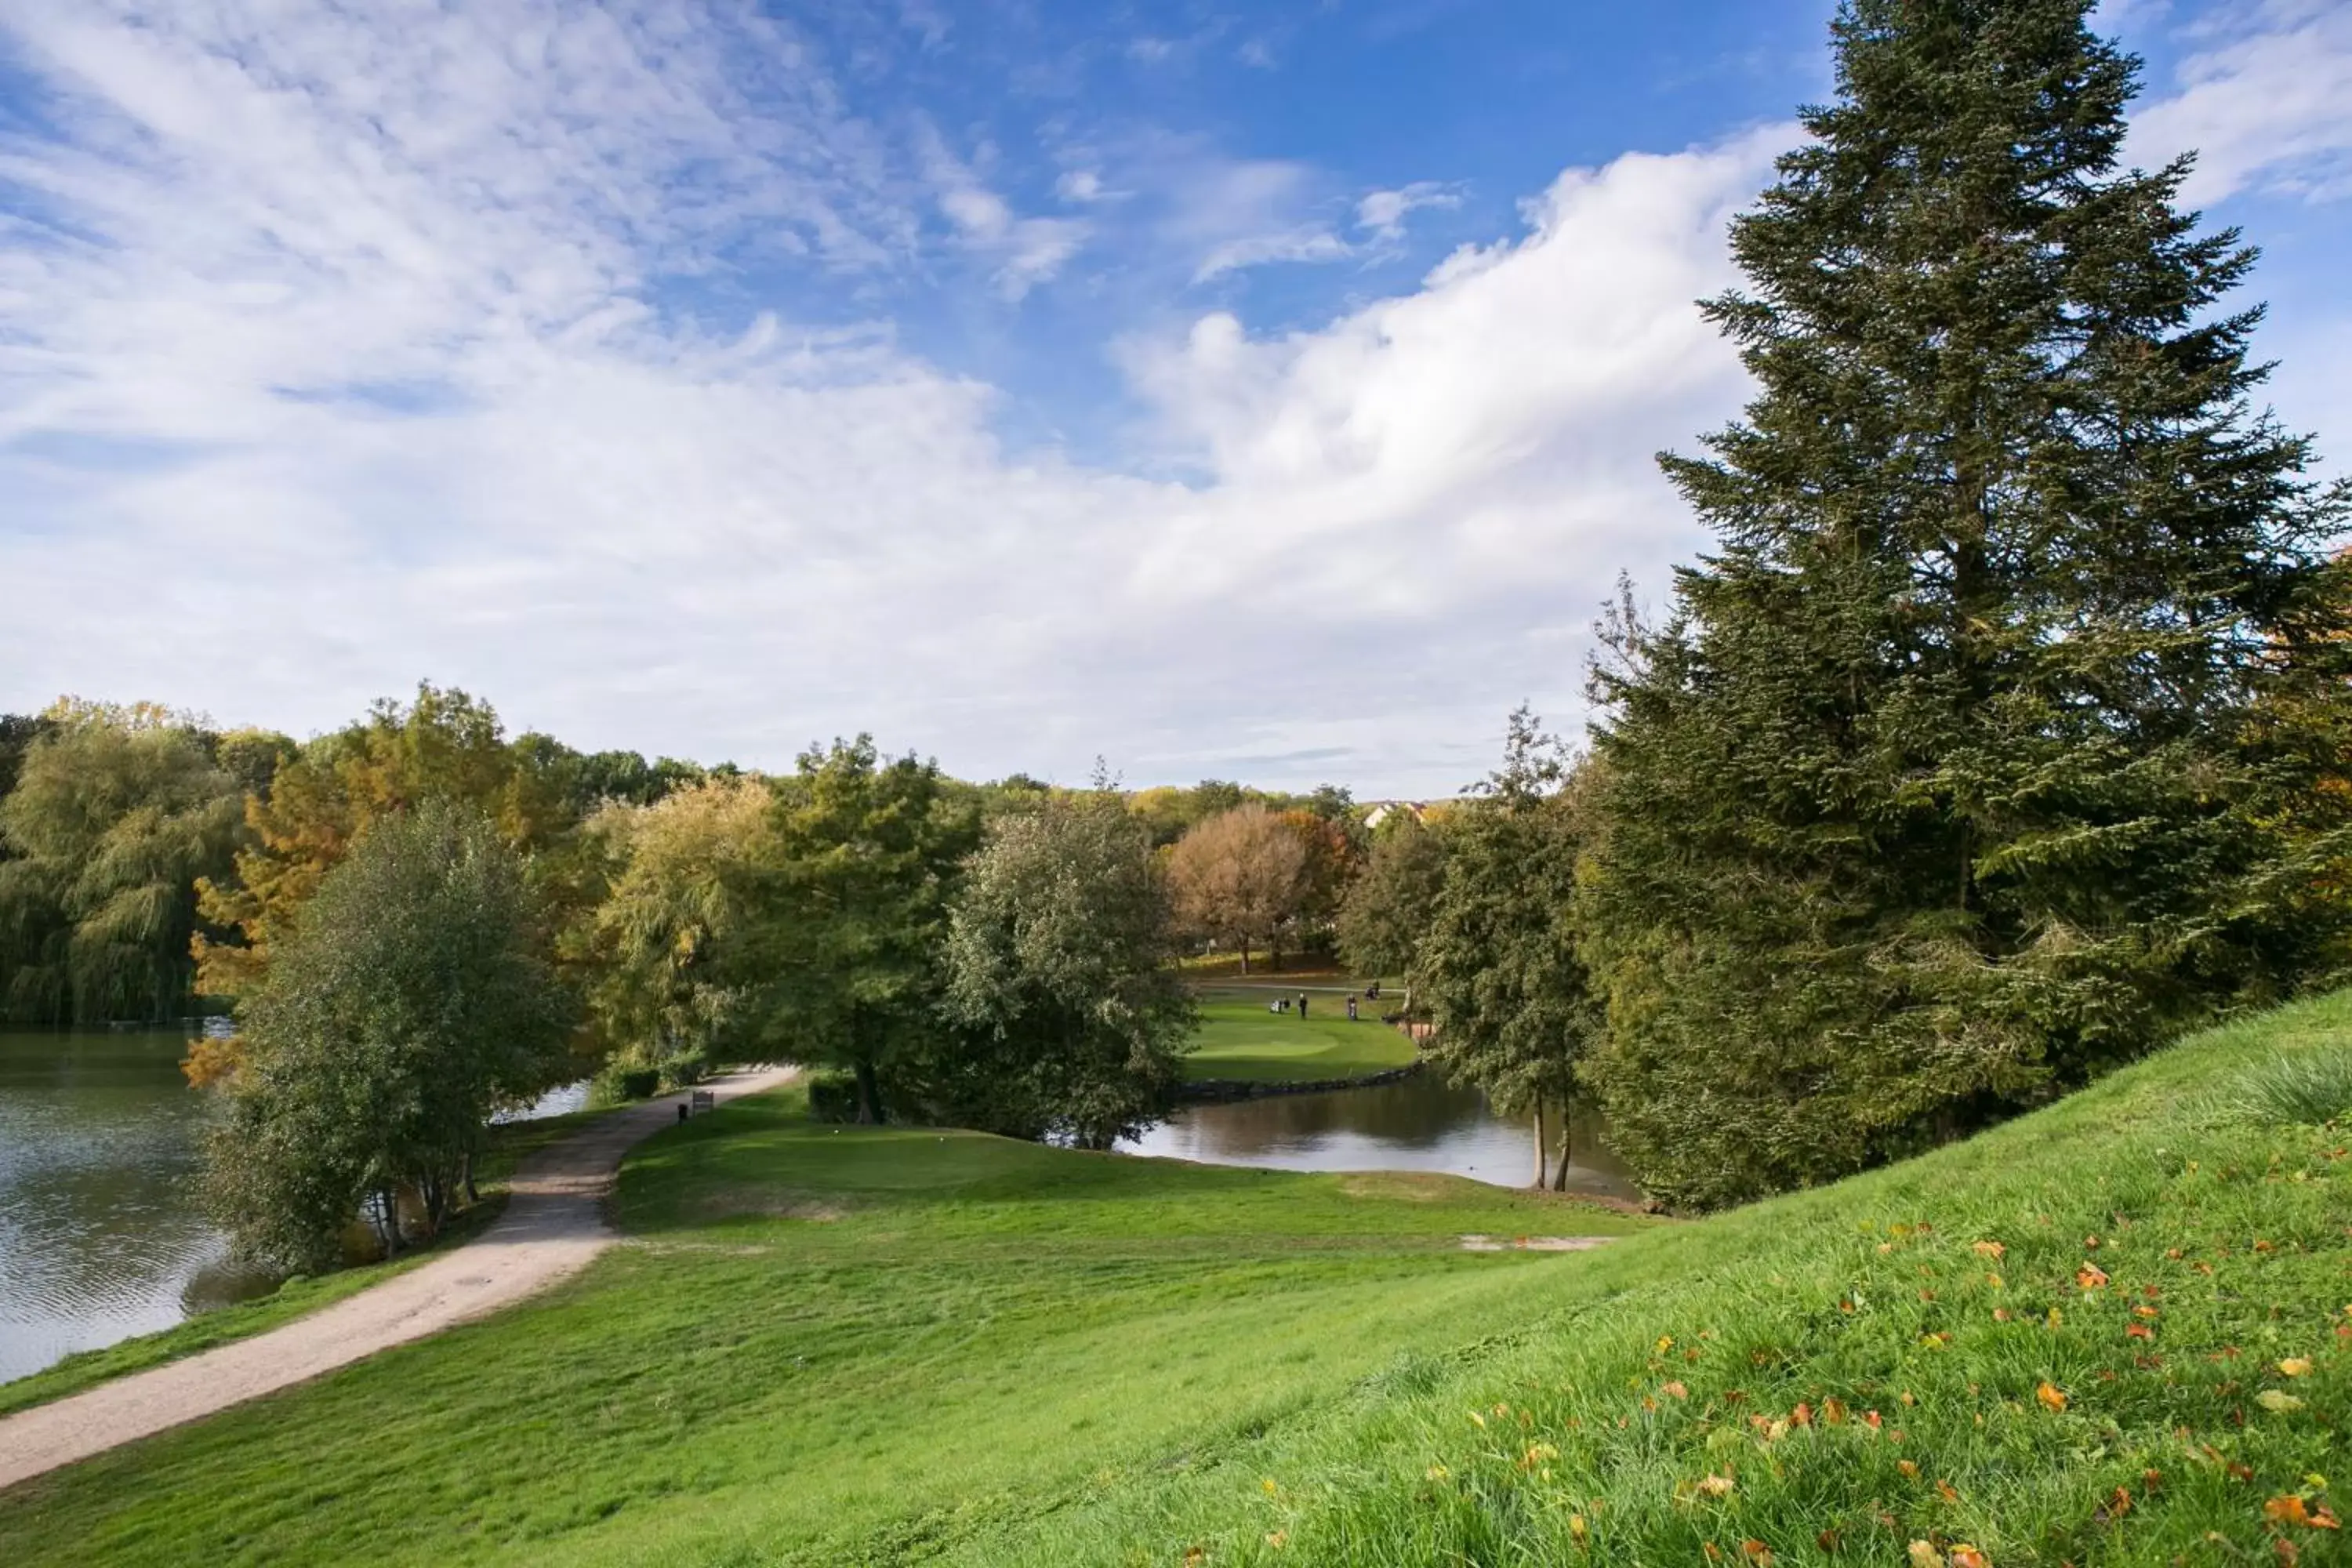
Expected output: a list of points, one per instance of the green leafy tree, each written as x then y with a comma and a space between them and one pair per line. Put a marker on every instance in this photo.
1389, 910
410, 999
1948, 780
846, 907
115, 813
1498, 967
1061, 977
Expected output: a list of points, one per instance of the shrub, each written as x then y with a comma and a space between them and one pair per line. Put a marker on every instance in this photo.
619, 1083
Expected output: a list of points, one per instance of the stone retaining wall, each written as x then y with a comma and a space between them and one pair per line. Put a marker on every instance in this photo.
1219, 1090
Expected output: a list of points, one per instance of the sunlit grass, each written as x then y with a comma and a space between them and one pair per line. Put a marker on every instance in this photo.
2114, 1332
1240, 1040
821, 1339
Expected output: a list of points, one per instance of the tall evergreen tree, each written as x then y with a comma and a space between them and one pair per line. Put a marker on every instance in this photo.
1967, 765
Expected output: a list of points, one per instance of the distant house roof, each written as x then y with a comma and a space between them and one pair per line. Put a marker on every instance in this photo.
1381, 810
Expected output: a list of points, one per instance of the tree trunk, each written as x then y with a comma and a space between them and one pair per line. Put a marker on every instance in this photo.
1245, 955
388, 1221
1542, 1169
869, 1094
473, 1192
1560, 1177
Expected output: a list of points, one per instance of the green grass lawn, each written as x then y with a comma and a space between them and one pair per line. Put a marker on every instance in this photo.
824, 1343
2118, 1331
1240, 1040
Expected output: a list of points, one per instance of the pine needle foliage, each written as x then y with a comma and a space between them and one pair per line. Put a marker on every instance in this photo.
1980, 755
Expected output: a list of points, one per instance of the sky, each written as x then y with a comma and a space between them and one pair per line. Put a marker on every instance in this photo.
1262, 391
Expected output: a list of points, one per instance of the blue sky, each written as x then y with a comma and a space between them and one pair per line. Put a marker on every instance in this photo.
1256, 391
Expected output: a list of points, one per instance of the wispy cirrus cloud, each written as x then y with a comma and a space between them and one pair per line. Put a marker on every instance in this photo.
2265, 98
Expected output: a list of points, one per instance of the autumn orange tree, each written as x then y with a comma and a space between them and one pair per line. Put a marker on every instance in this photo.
446, 745
1239, 877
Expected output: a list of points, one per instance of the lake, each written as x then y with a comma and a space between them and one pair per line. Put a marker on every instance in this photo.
1415, 1124
101, 1235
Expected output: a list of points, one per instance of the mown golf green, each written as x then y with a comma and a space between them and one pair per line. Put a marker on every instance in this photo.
2114, 1332
1239, 1039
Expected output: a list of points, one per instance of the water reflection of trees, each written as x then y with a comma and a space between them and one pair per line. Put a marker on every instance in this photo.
1419, 1116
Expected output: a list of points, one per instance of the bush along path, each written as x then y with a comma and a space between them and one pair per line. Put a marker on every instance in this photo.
552, 1225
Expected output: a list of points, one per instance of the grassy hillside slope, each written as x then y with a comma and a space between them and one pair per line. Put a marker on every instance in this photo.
2118, 1332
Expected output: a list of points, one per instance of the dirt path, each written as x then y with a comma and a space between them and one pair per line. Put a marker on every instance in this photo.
552, 1225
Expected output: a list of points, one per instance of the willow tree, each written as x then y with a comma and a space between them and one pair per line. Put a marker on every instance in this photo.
116, 812
654, 946
1389, 908
1950, 777
1499, 966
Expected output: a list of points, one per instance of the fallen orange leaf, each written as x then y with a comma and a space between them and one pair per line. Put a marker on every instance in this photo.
2050, 1396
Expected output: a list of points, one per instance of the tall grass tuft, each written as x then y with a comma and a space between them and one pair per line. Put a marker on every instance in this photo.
2311, 1089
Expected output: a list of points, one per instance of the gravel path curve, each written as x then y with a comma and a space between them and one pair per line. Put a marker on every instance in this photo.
553, 1224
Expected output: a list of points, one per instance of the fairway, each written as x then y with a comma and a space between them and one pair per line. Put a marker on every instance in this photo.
1239, 1039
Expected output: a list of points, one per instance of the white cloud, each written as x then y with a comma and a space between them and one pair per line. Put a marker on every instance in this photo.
2267, 105
1494, 426
344, 360
1236, 213
1305, 242
1029, 251
1383, 212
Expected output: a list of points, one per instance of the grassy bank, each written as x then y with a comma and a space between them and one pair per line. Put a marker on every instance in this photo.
2112, 1332
1239, 1039
297, 1297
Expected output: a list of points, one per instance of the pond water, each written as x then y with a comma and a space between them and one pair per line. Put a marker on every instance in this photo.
1415, 1124
100, 1234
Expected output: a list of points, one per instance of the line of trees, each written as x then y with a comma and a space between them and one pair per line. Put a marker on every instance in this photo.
418, 921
